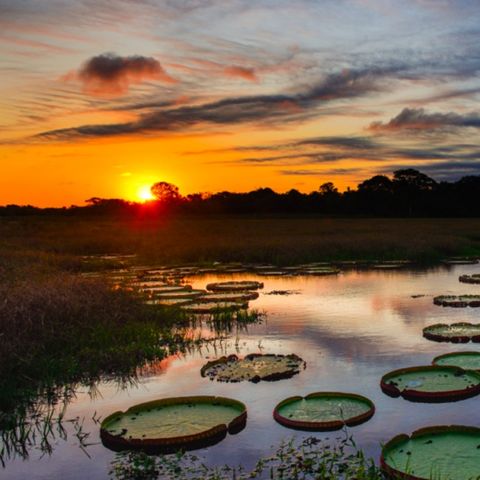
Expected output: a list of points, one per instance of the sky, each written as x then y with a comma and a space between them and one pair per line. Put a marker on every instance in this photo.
105, 97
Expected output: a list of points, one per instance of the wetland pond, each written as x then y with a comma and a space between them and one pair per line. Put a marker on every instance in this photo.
350, 329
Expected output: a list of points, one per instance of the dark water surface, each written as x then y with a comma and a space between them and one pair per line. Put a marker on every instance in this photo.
350, 329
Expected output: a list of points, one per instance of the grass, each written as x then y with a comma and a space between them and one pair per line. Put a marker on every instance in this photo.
279, 240
309, 459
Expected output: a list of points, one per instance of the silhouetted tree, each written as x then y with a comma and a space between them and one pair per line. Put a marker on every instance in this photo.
165, 192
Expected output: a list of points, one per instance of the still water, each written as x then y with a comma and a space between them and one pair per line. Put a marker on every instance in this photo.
351, 329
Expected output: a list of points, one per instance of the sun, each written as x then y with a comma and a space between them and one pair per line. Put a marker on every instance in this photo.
144, 193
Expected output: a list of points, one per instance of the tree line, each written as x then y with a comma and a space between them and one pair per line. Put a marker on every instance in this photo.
408, 193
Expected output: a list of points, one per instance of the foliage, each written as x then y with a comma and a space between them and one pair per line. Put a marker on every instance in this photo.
308, 459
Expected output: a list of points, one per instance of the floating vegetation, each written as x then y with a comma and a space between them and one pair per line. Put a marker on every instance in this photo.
457, 301
179, 294
461, 261
323, 411
444, 452
282, 292
272, 273
171, 424
305, 459
473, 279
320, 271
465, 360
234, 286
228, 296
254, 368
431, 383
461, 332
213, 307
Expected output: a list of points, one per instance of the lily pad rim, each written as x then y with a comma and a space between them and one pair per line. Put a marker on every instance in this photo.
329, 425
421, 396
393, 442
182, 441
453, 354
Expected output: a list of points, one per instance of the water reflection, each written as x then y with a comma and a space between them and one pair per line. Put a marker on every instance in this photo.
350, 329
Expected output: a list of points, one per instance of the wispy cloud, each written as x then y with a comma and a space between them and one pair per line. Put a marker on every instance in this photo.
417, 119
267, 109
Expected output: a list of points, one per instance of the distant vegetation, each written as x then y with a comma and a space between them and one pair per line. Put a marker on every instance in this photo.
409, 193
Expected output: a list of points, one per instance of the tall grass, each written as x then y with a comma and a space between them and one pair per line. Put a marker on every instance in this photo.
286, 240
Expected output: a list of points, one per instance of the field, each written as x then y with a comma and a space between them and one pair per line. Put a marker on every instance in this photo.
280, 240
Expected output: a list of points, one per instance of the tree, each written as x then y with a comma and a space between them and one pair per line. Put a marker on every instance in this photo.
376, 184
328, 189
165, 192
413, 180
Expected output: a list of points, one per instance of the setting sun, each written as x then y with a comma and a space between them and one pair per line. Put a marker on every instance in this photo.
144, 193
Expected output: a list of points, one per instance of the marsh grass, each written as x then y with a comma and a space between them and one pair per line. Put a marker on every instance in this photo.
308, 459
278, 240
60, 332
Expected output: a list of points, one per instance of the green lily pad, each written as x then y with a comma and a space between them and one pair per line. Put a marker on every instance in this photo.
465, 360
324, 411
431, 383
253, 368
456, 332
445, 452
213, 307
174, 423
234, 286
228, 297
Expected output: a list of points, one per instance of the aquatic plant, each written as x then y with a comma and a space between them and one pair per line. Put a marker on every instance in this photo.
308, 459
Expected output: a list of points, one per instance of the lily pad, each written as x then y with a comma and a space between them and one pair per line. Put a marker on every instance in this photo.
214, 307
319, 271
456, 332
324, 411
461, 261
431, 383
444, 452
188, 294
465, 360
234, 286
457, 301
253, 367
228, 297
171, 424
474, 279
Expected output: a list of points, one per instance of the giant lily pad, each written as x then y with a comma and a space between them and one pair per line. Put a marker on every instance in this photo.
465, 360
446, 452
188, 294
475, 278
253, 367
228, 297
458, 301
213, 307
234, 286
324, 411
431, 383
456, 332
319, 271
171, 424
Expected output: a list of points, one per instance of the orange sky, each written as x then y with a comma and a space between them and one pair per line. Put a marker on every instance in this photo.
105, 99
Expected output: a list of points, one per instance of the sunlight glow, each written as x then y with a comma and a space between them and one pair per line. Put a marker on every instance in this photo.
144, 193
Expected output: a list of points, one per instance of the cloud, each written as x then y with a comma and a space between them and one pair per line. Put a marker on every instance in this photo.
241, 72
417, 119
258, 109
112, 75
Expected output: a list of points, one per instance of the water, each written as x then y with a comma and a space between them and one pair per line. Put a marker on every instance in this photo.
350, 329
